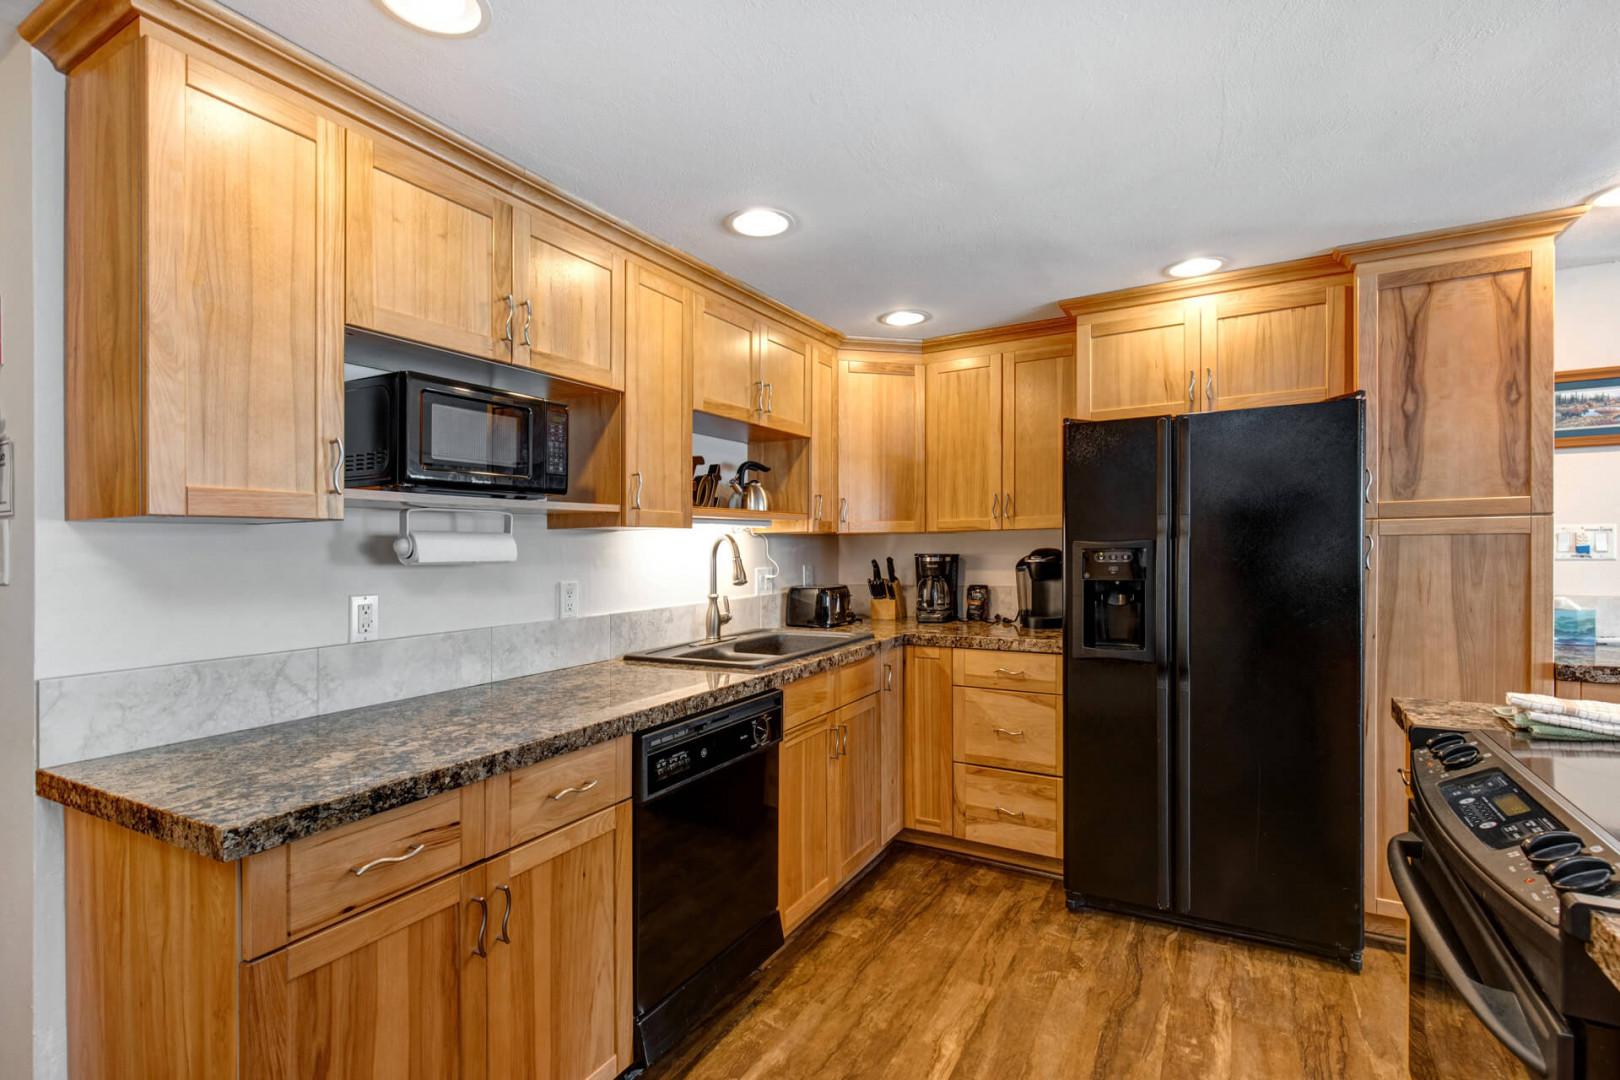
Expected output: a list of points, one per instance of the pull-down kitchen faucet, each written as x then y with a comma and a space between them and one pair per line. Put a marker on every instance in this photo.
719, 607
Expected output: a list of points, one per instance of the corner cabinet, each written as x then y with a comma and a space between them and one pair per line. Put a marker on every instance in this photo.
205, 315
880, 444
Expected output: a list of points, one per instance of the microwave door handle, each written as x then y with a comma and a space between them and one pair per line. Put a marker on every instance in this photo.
1499, 1011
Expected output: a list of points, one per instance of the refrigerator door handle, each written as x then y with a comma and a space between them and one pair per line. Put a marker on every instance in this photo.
1180, 669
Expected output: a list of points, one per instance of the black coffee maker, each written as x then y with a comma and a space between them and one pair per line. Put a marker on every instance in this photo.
939, 579
1040, 589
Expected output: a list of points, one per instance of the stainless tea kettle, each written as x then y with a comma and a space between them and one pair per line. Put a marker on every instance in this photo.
747, 493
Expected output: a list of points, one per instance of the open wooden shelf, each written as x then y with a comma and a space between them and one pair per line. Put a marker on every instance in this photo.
759, 517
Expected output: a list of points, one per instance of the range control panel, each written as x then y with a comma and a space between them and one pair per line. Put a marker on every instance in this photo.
1497, 809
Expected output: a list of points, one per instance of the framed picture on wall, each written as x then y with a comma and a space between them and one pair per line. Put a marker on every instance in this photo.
1586, 407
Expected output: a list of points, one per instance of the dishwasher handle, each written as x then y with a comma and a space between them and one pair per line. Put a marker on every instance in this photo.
1499, 1010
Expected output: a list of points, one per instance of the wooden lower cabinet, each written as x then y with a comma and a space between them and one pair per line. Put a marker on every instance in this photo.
857, 787
805, 872
891, 721
928, 740
1009, 809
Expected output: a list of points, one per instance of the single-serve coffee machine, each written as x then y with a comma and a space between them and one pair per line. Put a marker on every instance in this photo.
939, 583
1116, 600
1040, 589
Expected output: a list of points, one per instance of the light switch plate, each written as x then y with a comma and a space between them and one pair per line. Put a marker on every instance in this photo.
8, 451
1584, 543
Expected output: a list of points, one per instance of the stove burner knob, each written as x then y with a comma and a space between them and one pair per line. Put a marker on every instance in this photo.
1458, 755
1437, 743
1580, 873
1549, 847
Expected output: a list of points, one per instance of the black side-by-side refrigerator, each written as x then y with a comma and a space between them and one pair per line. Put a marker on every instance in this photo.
1213, 684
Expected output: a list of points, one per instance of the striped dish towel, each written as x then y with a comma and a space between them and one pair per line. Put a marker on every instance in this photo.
1597, 717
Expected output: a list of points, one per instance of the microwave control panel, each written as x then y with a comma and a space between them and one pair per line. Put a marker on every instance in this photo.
555, 448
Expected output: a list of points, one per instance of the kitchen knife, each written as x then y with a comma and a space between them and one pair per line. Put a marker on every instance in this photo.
893, 584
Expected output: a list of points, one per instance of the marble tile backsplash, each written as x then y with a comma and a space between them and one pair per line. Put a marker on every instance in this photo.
91, 716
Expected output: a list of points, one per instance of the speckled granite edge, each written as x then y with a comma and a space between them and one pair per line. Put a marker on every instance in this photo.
964, 635
1462, 715
1581, 671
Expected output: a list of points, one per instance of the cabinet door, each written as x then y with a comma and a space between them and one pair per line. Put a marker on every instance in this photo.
560, 1004
1463, 610
928, 740
857, 786
1456, 351
398, 992
964, 443
658, 397
805, 868
824, 440
1278, 345
1138, 361
1032, 410
725, 363
244, 375
429, 252
880, 446
570, 292
784, 371
891, 718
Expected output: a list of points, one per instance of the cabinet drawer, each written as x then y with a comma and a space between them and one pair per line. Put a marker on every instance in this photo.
1038, 672
1010, 810
857, 680
1008, 728
806, 699
564, 789
336, 872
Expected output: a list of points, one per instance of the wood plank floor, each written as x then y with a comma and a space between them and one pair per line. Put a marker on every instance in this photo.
935, 966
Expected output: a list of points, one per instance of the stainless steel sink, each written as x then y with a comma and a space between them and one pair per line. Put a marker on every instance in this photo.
757, 649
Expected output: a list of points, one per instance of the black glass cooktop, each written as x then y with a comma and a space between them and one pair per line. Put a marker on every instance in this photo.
1587, 775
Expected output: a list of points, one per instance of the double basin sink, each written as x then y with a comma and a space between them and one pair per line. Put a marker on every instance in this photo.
756, 649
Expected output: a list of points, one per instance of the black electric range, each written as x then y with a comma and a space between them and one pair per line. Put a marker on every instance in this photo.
1513, 846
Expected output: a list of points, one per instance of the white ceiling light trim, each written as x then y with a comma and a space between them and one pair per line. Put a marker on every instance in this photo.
904, 317
443, 18
760, 221
1607, 198
1197, 266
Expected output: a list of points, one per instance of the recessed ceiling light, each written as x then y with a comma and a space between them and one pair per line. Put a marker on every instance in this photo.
446, 18
1608, 198
1195, 267
759, 221
904, 317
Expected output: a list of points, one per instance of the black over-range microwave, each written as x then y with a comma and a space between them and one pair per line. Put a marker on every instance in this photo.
418, 432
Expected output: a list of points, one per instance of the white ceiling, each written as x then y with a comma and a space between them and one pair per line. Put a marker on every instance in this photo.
982, 160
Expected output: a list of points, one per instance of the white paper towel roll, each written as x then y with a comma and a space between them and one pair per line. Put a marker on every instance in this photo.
441, 548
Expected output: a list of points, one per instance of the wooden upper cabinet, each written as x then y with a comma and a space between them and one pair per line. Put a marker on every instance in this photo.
880, 446
560, 1002
1036, 384
398, 991
1276, 345
1456, 349
570, 295
725, 361
429, 252
657, 400
784, 375
964, 443
1142, 361
824, 492
204, 331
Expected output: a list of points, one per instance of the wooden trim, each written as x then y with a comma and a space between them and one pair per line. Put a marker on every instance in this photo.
1461, 268
529, 855
1578, 375
1524, 227
1037, 864
877, 367
996, 335
69, 31
264, 902
907, 347
1189, 288
321, 949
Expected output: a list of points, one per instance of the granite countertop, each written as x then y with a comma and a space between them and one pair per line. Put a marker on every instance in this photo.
230, 796
1599, 664
1462, 715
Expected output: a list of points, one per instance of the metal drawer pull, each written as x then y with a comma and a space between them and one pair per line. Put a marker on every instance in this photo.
506, 915
483, 925
360, 871
582, 789
1008, 673
1010, 733
1019, 814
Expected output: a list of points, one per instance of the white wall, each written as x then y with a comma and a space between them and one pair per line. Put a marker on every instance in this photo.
987, 559
1586, 481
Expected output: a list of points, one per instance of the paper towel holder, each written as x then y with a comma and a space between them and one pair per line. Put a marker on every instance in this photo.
405, 543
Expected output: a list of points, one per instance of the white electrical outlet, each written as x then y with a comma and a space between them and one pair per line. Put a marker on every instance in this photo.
762, 580
363, 618
568, 602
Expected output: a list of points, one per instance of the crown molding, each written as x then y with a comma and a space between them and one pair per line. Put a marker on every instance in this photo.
995, 335
1314, 266
1524, 227
898, 346
69, 31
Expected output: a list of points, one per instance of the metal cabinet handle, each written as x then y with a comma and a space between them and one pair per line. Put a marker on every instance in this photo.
832, 748
1011, 733
1006, 506
1406, 777
995, 507
506, 914
759, 397
843, 739
387, 860
337, 467
582, 789
1192, 387
1372, 542
816, 514
1008, 673
888, 676
511, 310
1209, 387
483, 925
843, 511
528, 320
1366, 495
1015, 814
635, 500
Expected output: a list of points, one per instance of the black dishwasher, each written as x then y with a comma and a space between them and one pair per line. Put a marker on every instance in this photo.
705, 863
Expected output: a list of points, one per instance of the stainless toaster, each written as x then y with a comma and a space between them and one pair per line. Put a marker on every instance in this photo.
819, 605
